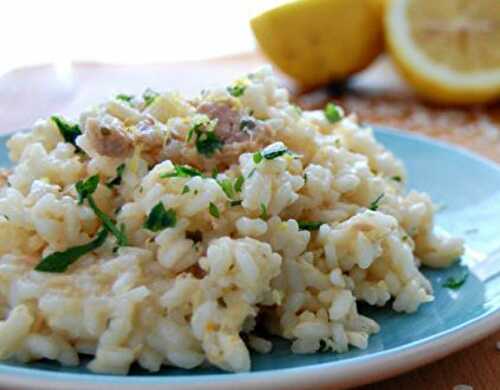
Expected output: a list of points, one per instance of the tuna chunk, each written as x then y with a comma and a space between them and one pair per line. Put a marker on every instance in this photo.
110, 142
228, 121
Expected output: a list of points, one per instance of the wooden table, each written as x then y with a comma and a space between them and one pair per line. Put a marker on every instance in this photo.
377, 95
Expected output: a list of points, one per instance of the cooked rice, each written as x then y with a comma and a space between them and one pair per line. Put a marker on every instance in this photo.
168, 300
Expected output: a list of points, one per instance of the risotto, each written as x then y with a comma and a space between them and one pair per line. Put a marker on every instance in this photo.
160, 230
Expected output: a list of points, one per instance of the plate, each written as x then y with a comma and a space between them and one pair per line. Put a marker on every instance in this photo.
467, 188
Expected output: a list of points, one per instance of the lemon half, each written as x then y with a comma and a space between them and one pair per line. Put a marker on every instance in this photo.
449, 50
319, 41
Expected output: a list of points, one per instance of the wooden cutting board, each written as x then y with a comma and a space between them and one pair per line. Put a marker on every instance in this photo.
378, 95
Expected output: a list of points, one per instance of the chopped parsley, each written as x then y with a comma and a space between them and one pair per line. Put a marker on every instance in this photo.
274, 151
251, 173
263, 211
85, 190
333, 113
305, 178
376, 203
181, 171
309, 225
118, 179
235, 203
59, 262
397, 178
149, 96
125, 98
247, 124
236, 90
207, 142
257, 157
215, 172
227, 187
270, 153
213, 210
455, 282
185, 189
69, 131
159, 218
238, 184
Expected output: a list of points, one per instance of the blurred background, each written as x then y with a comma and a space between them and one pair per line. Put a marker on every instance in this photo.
61, 56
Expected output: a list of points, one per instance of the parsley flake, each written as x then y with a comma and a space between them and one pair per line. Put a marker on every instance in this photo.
238, 184
85, 190
333, 113
263, 211
69, 131
185, 189
456, 282
227, 187
236, 90
149, 97
274, 151
118, 179
257, 157
235, 203
397, 178
309, 225
213, 210
125, 98
59, 262
181, 171
376, 203
208, 143
159, 218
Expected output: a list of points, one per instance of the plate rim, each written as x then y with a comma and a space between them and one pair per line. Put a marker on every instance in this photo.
394, 360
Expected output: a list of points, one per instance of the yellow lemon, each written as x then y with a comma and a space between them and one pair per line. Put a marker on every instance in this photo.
449, 50
319, 41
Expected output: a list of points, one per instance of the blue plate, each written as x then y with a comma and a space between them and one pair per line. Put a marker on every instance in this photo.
468, 189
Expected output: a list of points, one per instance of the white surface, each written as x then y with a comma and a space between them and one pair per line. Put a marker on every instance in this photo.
125, 31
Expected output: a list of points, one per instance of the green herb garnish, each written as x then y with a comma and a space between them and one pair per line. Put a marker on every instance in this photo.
305, 178
238, 184
181, 171
213, 210
236, 90
149, 96
397, 178
263, 211
227, 187
208, 143
376, 203
455, 283
235, 203
125, 98
59, 262
247, 124
185, 189
274, 151
333, 113
118, 179
251, 173
257, 157
309, 225
159, 218
69, 131
85, 190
